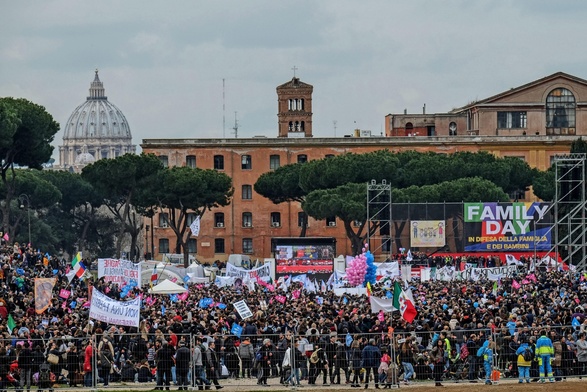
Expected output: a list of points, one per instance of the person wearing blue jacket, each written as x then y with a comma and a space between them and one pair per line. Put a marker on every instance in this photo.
544, 353
486, 352
523, 364
371, 357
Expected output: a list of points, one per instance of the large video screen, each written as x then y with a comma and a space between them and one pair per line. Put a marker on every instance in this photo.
307, 257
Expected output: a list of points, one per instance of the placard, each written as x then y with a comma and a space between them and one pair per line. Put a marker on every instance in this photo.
243, 309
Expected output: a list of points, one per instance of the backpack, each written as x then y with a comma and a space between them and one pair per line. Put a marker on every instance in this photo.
44, 375
527, 355
315, 357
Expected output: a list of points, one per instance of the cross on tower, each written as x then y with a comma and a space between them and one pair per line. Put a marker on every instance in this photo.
294, 69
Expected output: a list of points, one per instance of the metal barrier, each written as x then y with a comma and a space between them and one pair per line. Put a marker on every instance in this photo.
137, 361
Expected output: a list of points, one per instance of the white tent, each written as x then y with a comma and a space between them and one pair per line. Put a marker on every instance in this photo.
167, 287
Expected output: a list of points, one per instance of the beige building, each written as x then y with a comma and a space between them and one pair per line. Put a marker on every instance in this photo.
553, 105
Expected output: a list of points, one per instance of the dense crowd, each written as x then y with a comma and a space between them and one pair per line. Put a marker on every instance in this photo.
311, 337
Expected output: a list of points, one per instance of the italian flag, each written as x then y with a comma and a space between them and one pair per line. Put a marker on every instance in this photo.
404, 302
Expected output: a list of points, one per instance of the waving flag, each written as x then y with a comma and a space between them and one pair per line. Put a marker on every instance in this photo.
154, 277
404, 302
195, 226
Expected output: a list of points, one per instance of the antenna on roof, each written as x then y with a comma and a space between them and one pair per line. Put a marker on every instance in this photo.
334, 122
235, 126
223, 111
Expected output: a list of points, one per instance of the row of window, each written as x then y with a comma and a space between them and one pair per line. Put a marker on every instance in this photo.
247, 219
246, 161
219, 245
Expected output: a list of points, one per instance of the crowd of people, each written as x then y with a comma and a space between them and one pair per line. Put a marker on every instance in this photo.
464, 330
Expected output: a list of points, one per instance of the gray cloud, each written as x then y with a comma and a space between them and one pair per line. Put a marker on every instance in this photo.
162, 63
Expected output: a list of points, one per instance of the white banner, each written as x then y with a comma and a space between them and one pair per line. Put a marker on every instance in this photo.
407, 272
243, 309
377, 304
115, 312
390, 269
262, 272
119, 271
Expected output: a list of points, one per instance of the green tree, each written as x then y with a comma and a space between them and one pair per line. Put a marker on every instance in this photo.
283, 186
26, 133
183, 190
119, 182
76, 221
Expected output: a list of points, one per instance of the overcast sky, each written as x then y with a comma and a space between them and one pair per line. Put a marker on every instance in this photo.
162, 62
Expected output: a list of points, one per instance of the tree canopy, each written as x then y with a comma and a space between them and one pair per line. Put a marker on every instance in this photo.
184, 190
336, 186
26, 133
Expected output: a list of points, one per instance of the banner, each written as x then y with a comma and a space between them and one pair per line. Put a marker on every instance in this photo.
507, 227
110, 311
448, 274
119, 271
427, 234
262, 272
243, 309
381, 304
43, 293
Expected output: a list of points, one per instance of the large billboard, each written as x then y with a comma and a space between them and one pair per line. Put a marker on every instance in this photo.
311, 256
507, 227
427, 234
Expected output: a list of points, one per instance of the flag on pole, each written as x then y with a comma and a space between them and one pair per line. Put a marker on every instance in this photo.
195, 226
77, 268
403, 301
6, 237
154, 276
494, 291
409, 256
10, 323
369, 291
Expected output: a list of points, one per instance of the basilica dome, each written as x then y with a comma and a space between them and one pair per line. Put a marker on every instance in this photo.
97, 118
96, 129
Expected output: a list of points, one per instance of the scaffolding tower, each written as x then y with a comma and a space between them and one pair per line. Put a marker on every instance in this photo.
379, 221
570, 214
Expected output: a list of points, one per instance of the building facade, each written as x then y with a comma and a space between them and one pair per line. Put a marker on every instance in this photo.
249, 223
553, 105
96, 129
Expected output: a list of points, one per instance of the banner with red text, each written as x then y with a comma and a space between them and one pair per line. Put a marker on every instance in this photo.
119, 271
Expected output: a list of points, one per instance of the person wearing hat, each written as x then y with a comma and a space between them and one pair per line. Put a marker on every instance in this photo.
182, 365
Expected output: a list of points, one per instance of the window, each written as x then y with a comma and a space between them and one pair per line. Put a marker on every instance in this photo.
329, 156
247, 192
510, 120
190, 218
452, 129
163, 245
517, 195
560, 111
192, 245
331, 221
386, 244
163, 219
247, 219
218, 219
302, 158
274, 162
301, 218
246, 162
190, 161
219, 162
247, 245
219, 245
164, 160
275, 219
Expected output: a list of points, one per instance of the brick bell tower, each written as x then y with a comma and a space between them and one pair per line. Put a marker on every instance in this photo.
294, 113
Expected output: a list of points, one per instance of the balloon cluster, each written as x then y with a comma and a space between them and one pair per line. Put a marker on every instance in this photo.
371, 275
357, 269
